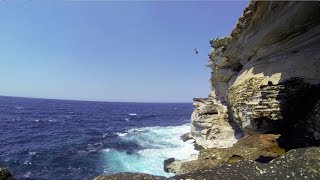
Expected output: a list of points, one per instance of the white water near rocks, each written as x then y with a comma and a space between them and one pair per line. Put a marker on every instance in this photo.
157, 144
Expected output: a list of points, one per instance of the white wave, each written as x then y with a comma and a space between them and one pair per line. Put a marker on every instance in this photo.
127, 119
121, 134
27, 174
32, 153
157, 143
133, 114
44, 120
106, 150
27, 163
52, 120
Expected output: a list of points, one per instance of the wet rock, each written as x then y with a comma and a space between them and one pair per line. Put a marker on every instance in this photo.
185, 137
167, 163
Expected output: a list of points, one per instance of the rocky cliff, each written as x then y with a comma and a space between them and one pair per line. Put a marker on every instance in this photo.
265, 88
265, 77
263, 111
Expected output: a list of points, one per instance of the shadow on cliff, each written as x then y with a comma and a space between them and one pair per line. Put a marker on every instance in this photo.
297, 100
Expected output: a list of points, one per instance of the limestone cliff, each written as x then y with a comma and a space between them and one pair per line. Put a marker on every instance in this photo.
263, 111
265, 77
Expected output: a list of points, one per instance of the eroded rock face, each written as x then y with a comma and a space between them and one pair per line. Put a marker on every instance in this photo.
260, 147
210, 126
265, 75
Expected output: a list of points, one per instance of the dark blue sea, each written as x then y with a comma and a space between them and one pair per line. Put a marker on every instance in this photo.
62, 139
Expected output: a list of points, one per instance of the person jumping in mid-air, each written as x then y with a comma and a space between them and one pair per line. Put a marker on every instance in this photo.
196, 50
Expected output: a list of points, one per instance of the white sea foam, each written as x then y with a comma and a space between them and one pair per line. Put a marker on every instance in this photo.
32, 153
157, 144
133, 114
106, 150
121, 134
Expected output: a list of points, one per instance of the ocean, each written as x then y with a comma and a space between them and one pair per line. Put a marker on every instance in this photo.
63, 139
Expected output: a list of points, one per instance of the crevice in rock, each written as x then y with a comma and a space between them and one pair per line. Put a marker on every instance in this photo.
264, 159
297, 99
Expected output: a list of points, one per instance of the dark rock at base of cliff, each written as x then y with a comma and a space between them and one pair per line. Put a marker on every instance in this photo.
301, 163
167, 163
126, 176
260, 147
5, 174
185, 137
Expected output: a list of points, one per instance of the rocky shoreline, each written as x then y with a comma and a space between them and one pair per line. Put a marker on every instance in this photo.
263, 107
261, 119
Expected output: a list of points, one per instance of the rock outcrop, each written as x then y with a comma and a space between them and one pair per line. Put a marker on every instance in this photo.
301, 163
263, 112
296, 164
261, 148
5, 174
126, 176
210, 126
265, 77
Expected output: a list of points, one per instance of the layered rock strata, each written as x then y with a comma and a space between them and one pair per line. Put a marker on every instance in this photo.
265, 76
210, 126
264, 106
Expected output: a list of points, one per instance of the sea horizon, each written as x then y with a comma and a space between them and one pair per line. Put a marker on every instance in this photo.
61, 99
84, 139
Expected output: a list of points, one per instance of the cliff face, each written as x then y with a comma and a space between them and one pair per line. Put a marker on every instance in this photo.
265, 77
264, 100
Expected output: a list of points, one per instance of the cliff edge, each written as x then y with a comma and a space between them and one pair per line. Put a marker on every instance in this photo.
262, 116
265, 89
265, 77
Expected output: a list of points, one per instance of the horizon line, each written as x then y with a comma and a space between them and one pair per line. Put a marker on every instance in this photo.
83, 100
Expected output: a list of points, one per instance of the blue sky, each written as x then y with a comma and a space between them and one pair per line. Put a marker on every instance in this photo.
110, 51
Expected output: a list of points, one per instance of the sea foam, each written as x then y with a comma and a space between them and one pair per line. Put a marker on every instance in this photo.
156, 143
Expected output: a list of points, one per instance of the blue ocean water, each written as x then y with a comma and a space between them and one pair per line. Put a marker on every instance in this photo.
60, 139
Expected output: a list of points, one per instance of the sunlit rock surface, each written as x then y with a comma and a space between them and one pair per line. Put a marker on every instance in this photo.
263, 111
265, 75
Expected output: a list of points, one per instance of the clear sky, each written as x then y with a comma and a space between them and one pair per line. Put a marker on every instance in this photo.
110, 51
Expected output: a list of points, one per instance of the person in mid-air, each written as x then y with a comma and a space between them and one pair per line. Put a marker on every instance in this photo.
196, 50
